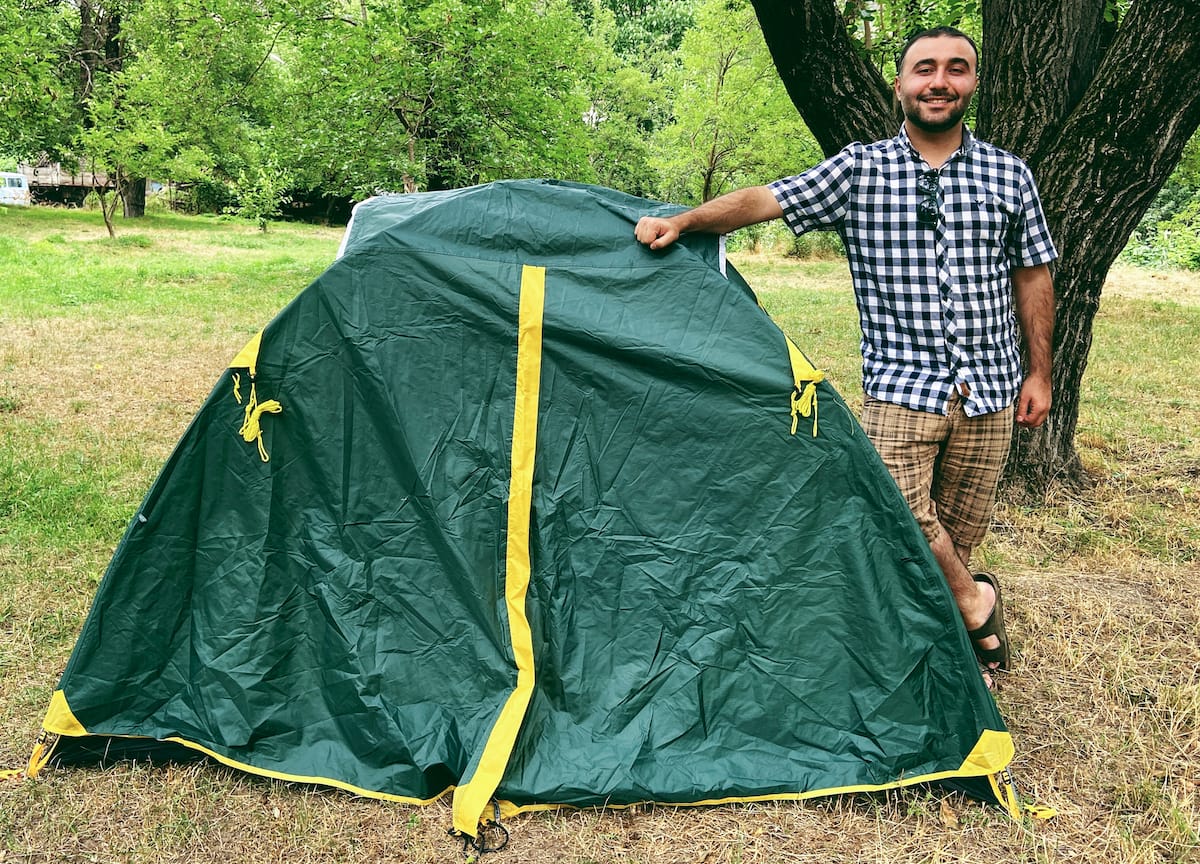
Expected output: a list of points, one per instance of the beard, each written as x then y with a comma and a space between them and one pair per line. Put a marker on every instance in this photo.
912, 113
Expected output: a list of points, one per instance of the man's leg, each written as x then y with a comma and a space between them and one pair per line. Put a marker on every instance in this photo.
964, 489
912, 444
975, 599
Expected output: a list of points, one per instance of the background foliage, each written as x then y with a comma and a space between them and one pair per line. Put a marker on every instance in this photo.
676, 100
241, 105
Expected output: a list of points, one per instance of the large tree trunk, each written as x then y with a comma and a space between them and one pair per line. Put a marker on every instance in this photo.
1100, 113
1032, 78
1100, 158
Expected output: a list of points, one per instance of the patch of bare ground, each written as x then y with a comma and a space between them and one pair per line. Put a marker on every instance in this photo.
1136, 283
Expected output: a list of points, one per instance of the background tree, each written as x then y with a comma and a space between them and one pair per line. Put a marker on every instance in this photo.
1099, 104
432, 94
37, 111
733, 123
645, 33
344, 98
1169, 233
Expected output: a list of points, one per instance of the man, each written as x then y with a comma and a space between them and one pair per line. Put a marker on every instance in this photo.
946, 240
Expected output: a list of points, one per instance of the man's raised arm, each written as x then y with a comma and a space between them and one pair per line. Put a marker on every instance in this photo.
719, 216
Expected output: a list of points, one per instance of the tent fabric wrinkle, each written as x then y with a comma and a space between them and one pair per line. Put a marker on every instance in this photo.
542, 521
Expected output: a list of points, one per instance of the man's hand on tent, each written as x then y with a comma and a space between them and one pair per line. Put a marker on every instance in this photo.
656, 232
730, 212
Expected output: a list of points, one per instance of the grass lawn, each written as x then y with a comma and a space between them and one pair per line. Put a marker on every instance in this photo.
107, 349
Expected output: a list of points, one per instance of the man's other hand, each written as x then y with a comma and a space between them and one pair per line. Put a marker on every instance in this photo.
1034, 402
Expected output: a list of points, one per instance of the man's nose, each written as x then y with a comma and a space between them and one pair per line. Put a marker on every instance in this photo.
940, 79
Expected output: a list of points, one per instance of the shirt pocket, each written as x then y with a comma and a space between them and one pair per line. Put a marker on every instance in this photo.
987, 223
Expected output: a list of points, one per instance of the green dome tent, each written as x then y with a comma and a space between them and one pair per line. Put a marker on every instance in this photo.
505, 503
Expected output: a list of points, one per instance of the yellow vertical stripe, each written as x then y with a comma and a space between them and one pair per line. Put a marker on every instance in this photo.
471, 798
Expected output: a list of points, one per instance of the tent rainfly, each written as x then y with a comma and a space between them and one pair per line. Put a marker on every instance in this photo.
523, 511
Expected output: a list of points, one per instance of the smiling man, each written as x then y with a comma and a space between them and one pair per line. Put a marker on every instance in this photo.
948, 251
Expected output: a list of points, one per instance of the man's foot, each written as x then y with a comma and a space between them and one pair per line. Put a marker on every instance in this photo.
996, 657
989, 678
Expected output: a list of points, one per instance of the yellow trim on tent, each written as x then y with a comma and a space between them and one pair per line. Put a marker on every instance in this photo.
277, 775
251, 430
470, 799
806, 378
60, 719
247, 358
299, 778
992, 752
990, 756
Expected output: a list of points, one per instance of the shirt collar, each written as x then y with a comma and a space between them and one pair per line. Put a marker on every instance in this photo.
968, 143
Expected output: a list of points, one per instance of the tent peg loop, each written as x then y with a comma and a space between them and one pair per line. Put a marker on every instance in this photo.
42, 751
491, 835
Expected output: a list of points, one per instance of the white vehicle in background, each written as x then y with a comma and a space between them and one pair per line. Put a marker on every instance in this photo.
14, 189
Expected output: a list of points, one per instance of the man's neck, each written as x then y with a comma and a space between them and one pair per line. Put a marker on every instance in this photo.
935, 147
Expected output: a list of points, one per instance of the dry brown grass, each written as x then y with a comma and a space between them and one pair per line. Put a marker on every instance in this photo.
135, 380
1174, 286
1104, 705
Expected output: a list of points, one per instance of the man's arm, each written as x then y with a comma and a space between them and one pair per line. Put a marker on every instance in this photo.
718, 216
1034, 293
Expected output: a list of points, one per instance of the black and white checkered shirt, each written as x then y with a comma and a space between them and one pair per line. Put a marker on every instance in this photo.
935, 300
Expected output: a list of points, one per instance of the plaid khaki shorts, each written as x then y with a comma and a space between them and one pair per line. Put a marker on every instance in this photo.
947, 467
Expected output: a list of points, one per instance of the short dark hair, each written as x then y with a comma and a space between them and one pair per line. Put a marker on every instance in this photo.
932, 33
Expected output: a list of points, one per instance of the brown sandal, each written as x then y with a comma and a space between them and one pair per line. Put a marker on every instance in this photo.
993, 626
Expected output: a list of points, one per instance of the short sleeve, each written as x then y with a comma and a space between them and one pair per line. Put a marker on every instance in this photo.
819, 198
1030, 243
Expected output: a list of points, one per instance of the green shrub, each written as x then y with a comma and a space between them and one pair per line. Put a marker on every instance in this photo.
203, 196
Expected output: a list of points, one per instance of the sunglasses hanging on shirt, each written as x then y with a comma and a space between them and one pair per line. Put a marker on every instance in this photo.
928, 213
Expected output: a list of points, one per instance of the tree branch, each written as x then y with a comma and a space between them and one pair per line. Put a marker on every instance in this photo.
838, 92
1036, 64
1127, 134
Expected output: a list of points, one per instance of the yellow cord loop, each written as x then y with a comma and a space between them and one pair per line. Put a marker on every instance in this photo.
1004, 787
1039, 811
251, 430
40, 757
804, 402
237, 387
806, 378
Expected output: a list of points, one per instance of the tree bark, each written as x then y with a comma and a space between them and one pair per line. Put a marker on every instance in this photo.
1032, 78
133, 198
1100, 113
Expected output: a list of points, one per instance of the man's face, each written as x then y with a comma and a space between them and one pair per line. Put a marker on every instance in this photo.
936, 82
